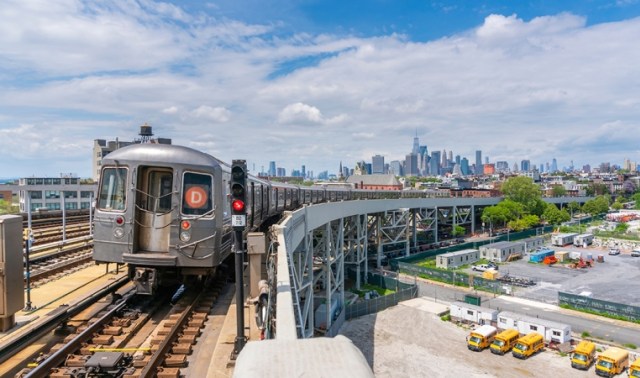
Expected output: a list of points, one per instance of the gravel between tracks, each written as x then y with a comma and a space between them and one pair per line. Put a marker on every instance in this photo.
403, 341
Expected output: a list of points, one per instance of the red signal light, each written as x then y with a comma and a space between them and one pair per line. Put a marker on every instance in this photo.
119, 220
237, 205
186, 225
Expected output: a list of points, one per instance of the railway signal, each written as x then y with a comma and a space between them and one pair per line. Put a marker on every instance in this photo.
238, 194
239, 222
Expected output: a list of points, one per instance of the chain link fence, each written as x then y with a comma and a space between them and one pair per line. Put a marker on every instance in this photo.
403, 292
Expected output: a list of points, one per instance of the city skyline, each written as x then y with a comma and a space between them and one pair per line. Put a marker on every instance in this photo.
319, 83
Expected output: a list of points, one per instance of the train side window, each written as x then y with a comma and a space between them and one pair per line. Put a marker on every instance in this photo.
197, 194
113, 193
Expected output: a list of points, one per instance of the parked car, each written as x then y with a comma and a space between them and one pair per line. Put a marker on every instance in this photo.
614, 251
492, 265
635, 253
481, 267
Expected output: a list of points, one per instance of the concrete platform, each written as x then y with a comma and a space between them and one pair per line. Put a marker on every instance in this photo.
66, 290
426, 304
222, 362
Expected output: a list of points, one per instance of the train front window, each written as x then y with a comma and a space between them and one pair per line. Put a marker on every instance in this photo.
113, 193
197, 194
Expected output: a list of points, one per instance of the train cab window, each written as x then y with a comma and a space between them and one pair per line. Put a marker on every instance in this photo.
113, 191
197, 194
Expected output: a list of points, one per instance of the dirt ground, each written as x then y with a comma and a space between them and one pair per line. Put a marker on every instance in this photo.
405, 341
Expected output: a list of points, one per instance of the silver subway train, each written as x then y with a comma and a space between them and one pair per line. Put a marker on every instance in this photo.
164, 210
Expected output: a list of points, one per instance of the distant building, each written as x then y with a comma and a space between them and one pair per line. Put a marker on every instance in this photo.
525, 165
272, 169
478, 162
53, 193
395, 168
502, 166
377, 164
489, 169
375, 182
411, 165
464, 166
434, 169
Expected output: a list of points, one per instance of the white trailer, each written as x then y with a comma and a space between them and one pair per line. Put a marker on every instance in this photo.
472, 313
583, 240
552, 331
560, 240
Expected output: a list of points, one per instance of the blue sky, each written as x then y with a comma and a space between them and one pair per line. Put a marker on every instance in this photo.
319, 82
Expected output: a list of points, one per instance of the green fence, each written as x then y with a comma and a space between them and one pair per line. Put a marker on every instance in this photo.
403, 292
591, 304
452, 277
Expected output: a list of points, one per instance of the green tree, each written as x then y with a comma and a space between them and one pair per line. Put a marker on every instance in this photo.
458, 230
617, 206
495, 215
523, 190
6, 207
598, 205
515, 210
573, 207
558, 191
555, 216
525, 222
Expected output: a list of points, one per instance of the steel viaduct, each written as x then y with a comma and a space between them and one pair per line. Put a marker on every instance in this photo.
315, 246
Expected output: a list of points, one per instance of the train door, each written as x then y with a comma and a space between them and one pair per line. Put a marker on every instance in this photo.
153, 209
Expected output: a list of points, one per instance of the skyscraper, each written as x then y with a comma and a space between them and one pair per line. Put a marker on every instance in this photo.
478, 162
464, 166
395, 167
411, 165
554, 165
272, 168
434, 169
416, 144
377, 164
525, 165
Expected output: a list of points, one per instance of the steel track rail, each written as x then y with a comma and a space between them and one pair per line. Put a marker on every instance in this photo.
151, 369
47, 324
44, 368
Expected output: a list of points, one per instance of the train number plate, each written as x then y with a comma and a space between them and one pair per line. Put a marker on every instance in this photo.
238, 220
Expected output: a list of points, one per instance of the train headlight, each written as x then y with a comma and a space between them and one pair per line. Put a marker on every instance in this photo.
185, 236
118, 232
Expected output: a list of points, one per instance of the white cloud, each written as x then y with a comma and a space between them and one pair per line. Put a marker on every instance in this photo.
170, 110
300, 113
549, 87
217, 114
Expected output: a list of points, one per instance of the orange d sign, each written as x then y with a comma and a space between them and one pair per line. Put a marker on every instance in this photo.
196, 197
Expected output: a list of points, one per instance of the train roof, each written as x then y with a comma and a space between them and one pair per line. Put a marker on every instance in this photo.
162, 153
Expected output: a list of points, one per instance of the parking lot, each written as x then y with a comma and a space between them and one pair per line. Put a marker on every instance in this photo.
617, 279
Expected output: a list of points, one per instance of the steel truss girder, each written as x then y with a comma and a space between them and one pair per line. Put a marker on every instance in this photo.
455, 215
355, 244
328, 272
301, 266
